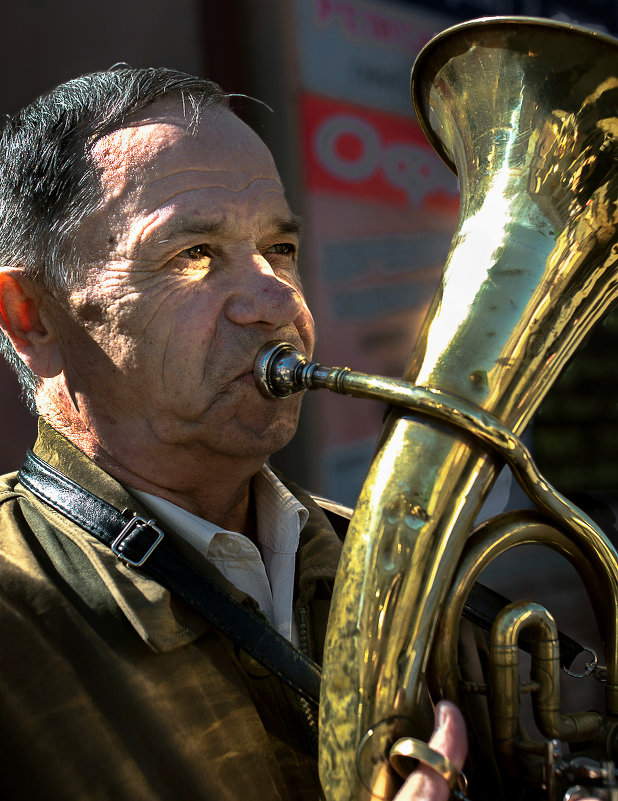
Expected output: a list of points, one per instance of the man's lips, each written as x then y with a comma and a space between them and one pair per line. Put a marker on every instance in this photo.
246, 375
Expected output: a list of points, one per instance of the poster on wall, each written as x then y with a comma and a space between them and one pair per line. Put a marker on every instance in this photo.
379, 209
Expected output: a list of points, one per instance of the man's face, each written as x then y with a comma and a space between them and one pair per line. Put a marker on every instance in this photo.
192, 268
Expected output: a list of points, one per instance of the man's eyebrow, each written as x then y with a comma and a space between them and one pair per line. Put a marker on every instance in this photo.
179, 227
287, 225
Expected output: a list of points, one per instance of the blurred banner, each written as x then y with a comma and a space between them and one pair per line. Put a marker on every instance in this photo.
379, 209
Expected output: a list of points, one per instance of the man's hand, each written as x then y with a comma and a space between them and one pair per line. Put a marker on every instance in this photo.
449, 738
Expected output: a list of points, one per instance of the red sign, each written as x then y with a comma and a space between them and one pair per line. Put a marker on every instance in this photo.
372, 154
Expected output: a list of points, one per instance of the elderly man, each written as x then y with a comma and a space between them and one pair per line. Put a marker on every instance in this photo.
148, 252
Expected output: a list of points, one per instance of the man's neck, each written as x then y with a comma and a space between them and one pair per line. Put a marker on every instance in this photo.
215, 487
225, 503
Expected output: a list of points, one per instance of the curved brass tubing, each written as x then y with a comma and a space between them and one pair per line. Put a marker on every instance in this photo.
504, 680
600, 578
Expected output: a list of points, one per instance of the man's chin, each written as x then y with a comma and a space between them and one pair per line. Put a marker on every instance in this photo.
271, 436
249, 430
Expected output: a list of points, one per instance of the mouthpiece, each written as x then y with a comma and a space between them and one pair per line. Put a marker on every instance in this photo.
280, 370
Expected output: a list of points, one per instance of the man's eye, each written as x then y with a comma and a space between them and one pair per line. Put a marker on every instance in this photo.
283, 249
201, 251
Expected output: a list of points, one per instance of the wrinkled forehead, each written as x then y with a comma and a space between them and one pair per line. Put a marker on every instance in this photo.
162, 141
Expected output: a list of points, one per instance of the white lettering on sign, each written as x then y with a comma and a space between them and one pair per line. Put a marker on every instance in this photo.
405, 166
327, 137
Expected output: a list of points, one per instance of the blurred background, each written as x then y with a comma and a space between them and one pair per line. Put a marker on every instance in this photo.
379, 207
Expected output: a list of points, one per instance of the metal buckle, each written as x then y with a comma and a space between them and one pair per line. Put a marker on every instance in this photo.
135, 521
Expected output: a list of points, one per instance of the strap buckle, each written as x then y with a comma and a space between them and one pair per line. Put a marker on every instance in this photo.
135, 531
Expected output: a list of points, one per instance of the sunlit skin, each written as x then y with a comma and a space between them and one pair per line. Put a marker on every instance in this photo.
192, 267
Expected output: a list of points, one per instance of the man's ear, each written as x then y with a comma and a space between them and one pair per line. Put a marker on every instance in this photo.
26, 322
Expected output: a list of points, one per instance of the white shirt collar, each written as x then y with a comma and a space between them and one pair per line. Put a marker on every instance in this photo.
268, 577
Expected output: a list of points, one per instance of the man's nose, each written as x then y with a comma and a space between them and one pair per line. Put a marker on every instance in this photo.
262, 296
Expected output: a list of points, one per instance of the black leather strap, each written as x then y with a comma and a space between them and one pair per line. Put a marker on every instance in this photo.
140, 543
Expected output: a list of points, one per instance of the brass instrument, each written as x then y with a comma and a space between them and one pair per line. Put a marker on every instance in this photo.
526, 112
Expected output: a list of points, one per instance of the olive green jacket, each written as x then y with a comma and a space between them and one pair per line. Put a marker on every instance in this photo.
112, 689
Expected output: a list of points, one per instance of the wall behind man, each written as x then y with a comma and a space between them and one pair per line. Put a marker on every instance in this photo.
45, 42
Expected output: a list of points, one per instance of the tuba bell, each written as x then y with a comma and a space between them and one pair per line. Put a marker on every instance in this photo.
526, 112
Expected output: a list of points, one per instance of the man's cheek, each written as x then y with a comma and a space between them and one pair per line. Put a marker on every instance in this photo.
306, 329
90, 312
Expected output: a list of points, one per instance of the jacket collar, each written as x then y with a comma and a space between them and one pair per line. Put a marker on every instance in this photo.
162, 621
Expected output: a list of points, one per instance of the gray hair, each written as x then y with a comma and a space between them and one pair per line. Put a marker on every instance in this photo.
48, 184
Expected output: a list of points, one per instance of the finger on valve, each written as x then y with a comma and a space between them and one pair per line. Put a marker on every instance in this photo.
449, 739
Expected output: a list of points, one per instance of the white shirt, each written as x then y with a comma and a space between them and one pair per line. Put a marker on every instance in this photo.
267, 574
